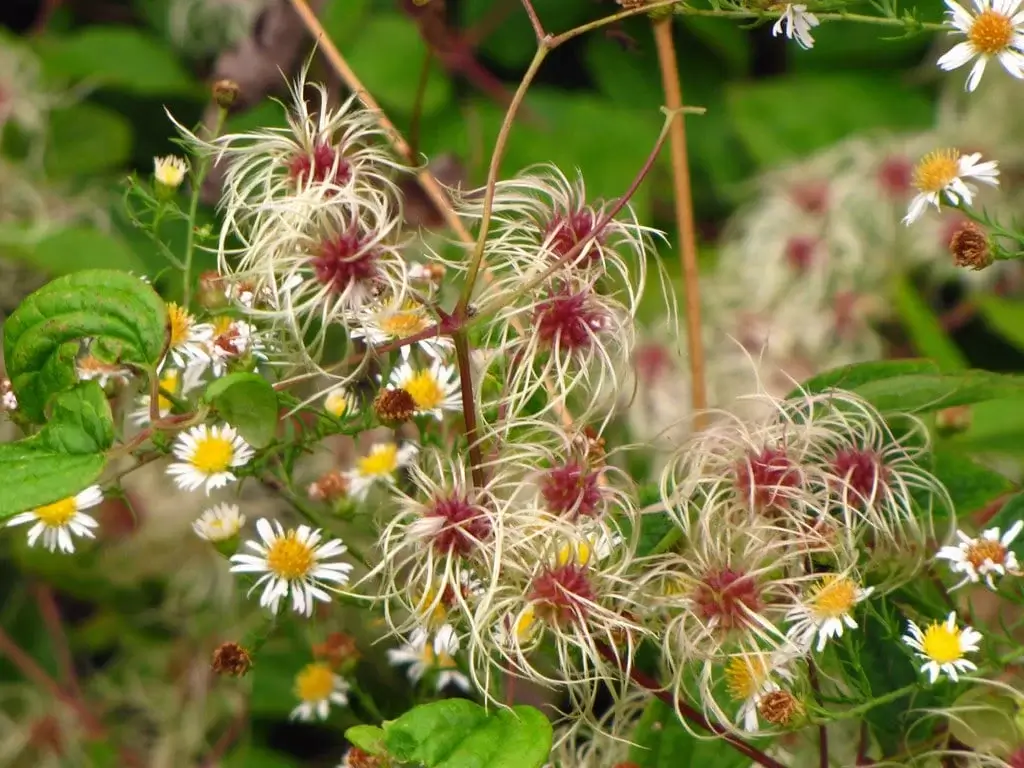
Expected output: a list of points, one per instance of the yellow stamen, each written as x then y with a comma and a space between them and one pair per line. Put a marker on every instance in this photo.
404, 321
744, 676
382, 461
213, 455
983, 550
336, 403
169, 382
57, 514
314, 683
181, 324
578, 553
525, 624
425, 390
936, 170
942, 644
289, 558
991, 32
833, 596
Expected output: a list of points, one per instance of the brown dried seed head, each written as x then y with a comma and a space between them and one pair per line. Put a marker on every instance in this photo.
225, 93
337, 649
231, 659
970, 247
331, 486
779, 707
394, 406
357, 758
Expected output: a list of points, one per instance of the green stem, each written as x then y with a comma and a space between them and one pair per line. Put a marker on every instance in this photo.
366, 701
869, 705
202, 168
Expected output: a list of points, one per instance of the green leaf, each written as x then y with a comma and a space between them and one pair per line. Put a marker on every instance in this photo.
1012, 512
512, 42
661, 741
850, 377
924, 393
86, 139
392, 78
996, 426
77, 248
368, 738
1005, 317
247, 402
64, 457
924, 328
123, 316
986, 721
841, 104
970, 485
119, 57
457, 733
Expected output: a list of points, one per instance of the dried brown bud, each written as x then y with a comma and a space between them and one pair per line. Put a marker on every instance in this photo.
337, 650
779, 707
45, 735
970, 247
953, 420
225, 93
394, 406
231, 659
357, 758
212, 293
331, 486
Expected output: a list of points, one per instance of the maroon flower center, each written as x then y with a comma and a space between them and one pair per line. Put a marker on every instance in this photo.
571, 491
861, 473
344, 260
811, 197
562, 594
323, 164
895, 176
800, 253
761, 477
464, 526
729, 596
651, 361
566, 231
568, 320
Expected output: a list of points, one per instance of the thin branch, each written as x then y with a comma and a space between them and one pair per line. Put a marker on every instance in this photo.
227, 739
683, 197
50, 612
538, 28
812, 674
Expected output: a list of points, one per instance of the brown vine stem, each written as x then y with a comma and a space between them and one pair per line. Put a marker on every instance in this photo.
812, 673
476, 462
50, 612
538, 28
684, 216
690, 713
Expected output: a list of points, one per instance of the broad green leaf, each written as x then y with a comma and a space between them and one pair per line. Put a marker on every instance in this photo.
119, 57
247, 402
86, 139
661, 741
841, 103
77, 248
64, 457
849, 377
925, 330
394, 78
343, 21
511, 43
923, 393
1005, 317
123, 316
986, 721
1011, 513
368, 738
970, 485
996, 427
456, 733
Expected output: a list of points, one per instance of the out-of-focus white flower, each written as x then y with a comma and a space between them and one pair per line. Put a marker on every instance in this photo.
994, 30
824, 609
984, 557
206, 455
8, 400
943, 646
943, 173
169, 171
797, 22
24, 100
203, 27
393, 320
423, 655
219, 523
434, 389
188, 338
294, 562
339, 402
318, 687
381, 464
173, 381
56, 522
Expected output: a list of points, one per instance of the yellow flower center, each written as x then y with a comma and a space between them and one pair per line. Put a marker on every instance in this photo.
381, 462
942, 644
991, 32
336, 403
57, 514
744, 676
168, 381
833, 596
406, 321
525, 624
314, 683
425, 390
213, 454
578, 553
438, 612
984, 550
288, 558
222, 325
181, 324
936, 170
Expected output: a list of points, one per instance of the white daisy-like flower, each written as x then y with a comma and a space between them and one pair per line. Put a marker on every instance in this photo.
435, 389
339, 402
825, 609
90, 368
797, 22
207, 455
169, 171
748, 679
318, 687
423, 656
943, 173
232, 338
173, 381
984, 557
188, 338
219, 523
381, 464
56, 522
942, 646
394, 320
994, 30
292, 561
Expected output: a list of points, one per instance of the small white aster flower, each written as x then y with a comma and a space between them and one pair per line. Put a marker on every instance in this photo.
985, 557
394, 320
380, 464
996, 30
206, 457
188, 338
292, 561
824, 610
231, 338
943, 173
318, 687
797, 22
338, 402
748, 678
435, 389
56, 522
219, 523
169, 171
423, 656
943, 646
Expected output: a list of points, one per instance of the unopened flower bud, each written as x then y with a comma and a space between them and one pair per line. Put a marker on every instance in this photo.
225, 93
212, 293
331, 486
231, 659
953, 420
339, 650
394, 407
970, 247
780, 708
